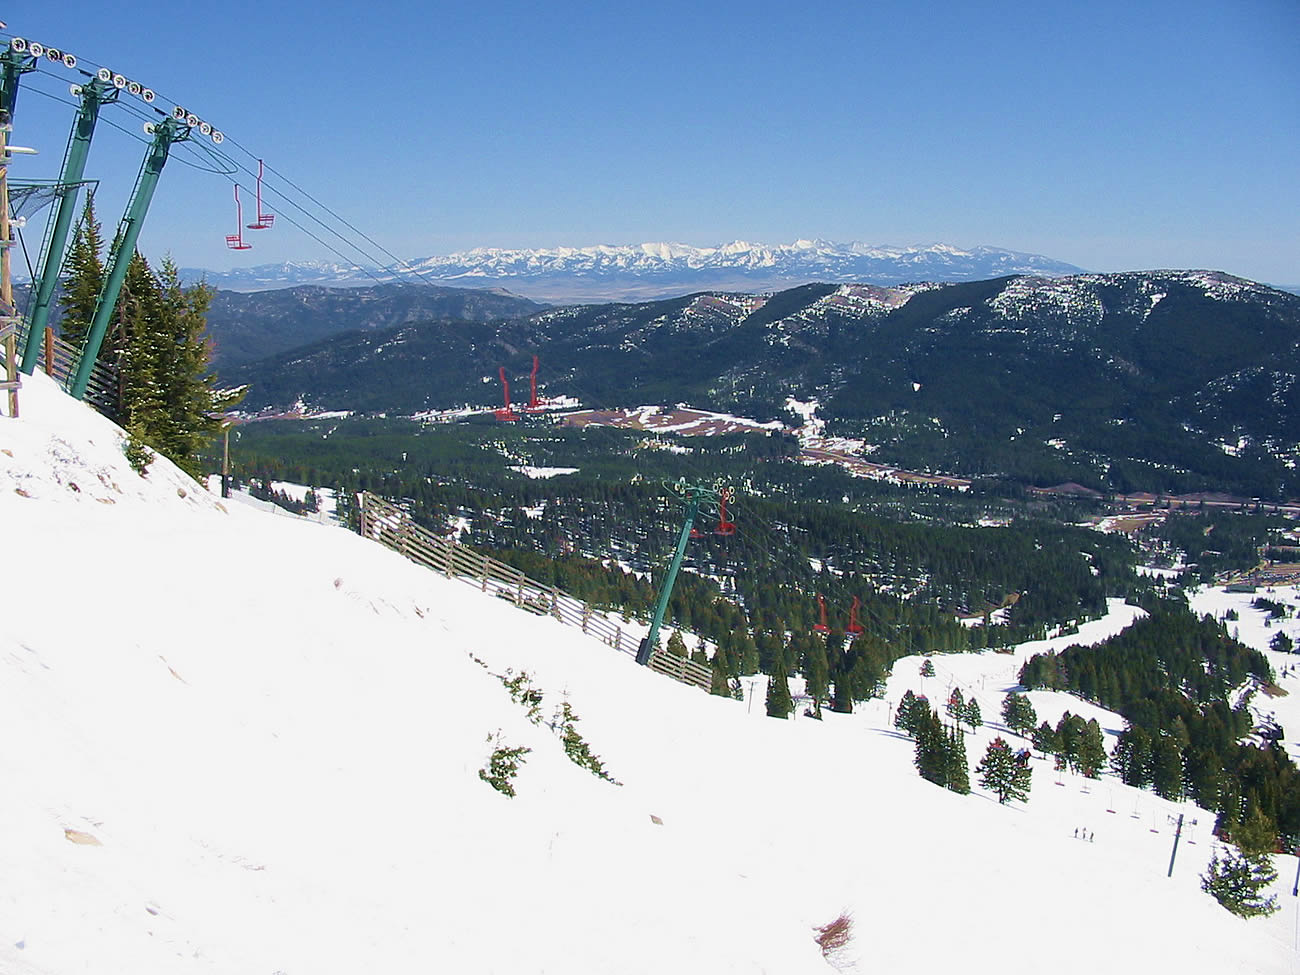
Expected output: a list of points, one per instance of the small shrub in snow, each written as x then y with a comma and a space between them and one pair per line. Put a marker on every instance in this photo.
138, 455
524, 693
576, 747
503, 765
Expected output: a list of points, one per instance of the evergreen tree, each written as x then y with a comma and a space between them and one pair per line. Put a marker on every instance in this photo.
169, 399
83, 277
956, 769
1004, 773
816, 674
1237, 882
1238, 875
779, 702
940, 752
931, 750
1167, 768
927, 668
1018, 713
1092, 750
904, 719
956, 706
1045, 739
676, 645
1131, 759
723, 671
971, 714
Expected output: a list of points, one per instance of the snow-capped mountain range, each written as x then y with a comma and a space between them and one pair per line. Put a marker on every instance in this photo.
654, 270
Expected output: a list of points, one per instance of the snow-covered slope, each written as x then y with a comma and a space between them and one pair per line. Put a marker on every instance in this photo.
643, 271
231, 742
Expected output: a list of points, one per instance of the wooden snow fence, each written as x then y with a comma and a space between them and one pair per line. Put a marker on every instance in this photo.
682, 668
386, 523
59, 359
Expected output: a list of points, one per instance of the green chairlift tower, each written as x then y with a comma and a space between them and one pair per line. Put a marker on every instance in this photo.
164, 133
93, 94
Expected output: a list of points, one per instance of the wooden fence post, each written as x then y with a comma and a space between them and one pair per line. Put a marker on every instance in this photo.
49, 350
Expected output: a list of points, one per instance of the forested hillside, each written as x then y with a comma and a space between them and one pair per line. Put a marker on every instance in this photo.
1158, 381
1183, 684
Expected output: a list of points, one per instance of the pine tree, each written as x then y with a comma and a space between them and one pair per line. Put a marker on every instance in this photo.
1004, 773
1018, 713
676, 645
1167, 768
904, 720
940, 752
956, 707
1092, 750
1131, 759
956, 769
1046, 740
927, 668
83, 277
972, 716
169, 398
779, 702
817, 674
1238, 875
931, 754
1237, 882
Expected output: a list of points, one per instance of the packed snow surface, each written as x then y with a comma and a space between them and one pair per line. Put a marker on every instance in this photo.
238, 743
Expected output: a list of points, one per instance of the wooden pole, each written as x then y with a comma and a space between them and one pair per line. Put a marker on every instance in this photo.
49, 351
6, 280
225, 460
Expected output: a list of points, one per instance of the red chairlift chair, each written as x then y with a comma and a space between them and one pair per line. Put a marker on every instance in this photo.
854, 626
235, 241
534, 404
821, 627
725, 527
264, 220
506, 413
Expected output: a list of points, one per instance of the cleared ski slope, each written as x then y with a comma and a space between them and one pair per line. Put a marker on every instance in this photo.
233, 742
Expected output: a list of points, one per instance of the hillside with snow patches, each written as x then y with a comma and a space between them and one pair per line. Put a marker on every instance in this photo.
233, 742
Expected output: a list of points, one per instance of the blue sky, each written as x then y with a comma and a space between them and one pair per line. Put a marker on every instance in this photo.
1113, 135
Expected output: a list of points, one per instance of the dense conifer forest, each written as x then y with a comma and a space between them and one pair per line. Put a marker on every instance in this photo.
1176, 679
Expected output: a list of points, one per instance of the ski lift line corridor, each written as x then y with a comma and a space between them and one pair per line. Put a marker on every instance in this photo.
384, 522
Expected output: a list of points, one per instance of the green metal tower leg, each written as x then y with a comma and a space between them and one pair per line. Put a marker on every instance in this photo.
165, 133
93, 94
694, 495
12, 65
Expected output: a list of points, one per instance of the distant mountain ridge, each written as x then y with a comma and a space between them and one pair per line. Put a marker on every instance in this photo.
657, 270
